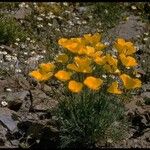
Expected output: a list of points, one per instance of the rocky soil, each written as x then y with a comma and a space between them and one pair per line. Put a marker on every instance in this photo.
26, 118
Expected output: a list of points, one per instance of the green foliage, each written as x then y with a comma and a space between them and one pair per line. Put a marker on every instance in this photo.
8, 5
10, 30
88, 118
107, 13
147, 101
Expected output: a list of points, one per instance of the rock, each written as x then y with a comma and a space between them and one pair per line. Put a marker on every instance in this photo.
7, 83
14, 100
3, 132
15, 142
146, 87
41, 101
9, 49
47, 89
7, 121
22, 13
128, 30
146, 94
82, 9
23, 82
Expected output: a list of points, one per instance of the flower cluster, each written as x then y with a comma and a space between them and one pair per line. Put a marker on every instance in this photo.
86, 60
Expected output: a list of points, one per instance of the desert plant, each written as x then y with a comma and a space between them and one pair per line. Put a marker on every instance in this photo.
10, 30
88, 118
95, 78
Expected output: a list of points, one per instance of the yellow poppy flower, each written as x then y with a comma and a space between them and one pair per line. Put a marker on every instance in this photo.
62, 58
62, 41
72, 46
128, 61
75, 86
110, 63
130, 83
93, 83
111, 60
63, 75
96, 54
81, 64
100, 60
46, 67
124, 47
92, 39
39, 76
89, 50
99, 46
114, 88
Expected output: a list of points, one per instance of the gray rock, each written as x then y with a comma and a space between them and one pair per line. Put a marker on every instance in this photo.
14, 100
9, 49
41, 101
146, 94
128, 30
7, 121
3, 132
23, 82
146, 87
22, 13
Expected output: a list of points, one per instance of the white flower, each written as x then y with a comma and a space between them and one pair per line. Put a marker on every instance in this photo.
112, 76
23, 45
106, 43
104, 76
146, 33
39, 25
145, 39
11, 66
32, 41
106, 11
70, 23
17, 70
26, 6
84, 22
79, 22
44, 51
25, 53
33, 52
4, 53
90, 17
57, 29
1, 47
109, 140
14, 58
4, 103
133, 7
39, 18
114, 56
49, 24
65, 3
67, 12
16, 43
114, 49
22, 5
18, 39
138, 75
28, 39
43, 15
8, 90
